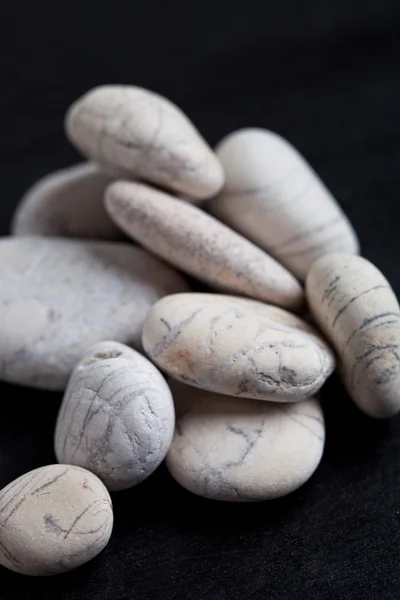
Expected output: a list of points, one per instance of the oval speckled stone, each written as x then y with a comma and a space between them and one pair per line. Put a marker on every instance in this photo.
136, 132
274, 198
242, 450
53, 519
117, 417
198, 244
358, 311
237, 347
67, 203
60, 296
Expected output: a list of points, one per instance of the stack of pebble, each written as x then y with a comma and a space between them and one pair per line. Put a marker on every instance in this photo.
238, 418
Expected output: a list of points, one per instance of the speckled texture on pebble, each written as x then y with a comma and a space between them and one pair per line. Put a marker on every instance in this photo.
53, 519
136, 132
237, 347
67, 203
358, 311
197, 243
60, 296
117, 417
242, 450
274, 198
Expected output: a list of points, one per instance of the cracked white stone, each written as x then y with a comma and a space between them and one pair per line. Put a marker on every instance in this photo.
60, 296
135, 132
195, 242
67, 203
237, 347
274, 198
53, 519
117, 417
241, 450
356, 308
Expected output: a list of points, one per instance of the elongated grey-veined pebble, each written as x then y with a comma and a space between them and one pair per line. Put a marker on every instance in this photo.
67, 203
197, 243
117, 417
136, 132
60, 296
274, 198
237, 347
242, 450
358, 311
53, 519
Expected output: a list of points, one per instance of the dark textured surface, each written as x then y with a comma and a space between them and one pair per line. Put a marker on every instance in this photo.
326, 75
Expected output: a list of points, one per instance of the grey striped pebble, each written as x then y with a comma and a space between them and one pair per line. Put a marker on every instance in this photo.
117, 417
274, 198
53, 519
358, 311
237, 347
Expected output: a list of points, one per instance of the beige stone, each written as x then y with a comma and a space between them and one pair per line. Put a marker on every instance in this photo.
274, 198
225, 345
242, 450
60, 296
358, 311
53, 519
135, 132
198, 244
67, 203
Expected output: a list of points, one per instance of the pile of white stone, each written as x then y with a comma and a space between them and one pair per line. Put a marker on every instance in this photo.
238, 417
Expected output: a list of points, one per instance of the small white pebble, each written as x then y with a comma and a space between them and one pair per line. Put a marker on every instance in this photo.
53, 519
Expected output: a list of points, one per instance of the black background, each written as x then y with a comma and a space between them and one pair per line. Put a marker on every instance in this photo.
326, 75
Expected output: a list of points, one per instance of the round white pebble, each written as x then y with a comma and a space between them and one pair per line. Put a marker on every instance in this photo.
117, 417
241, 450
53, 519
